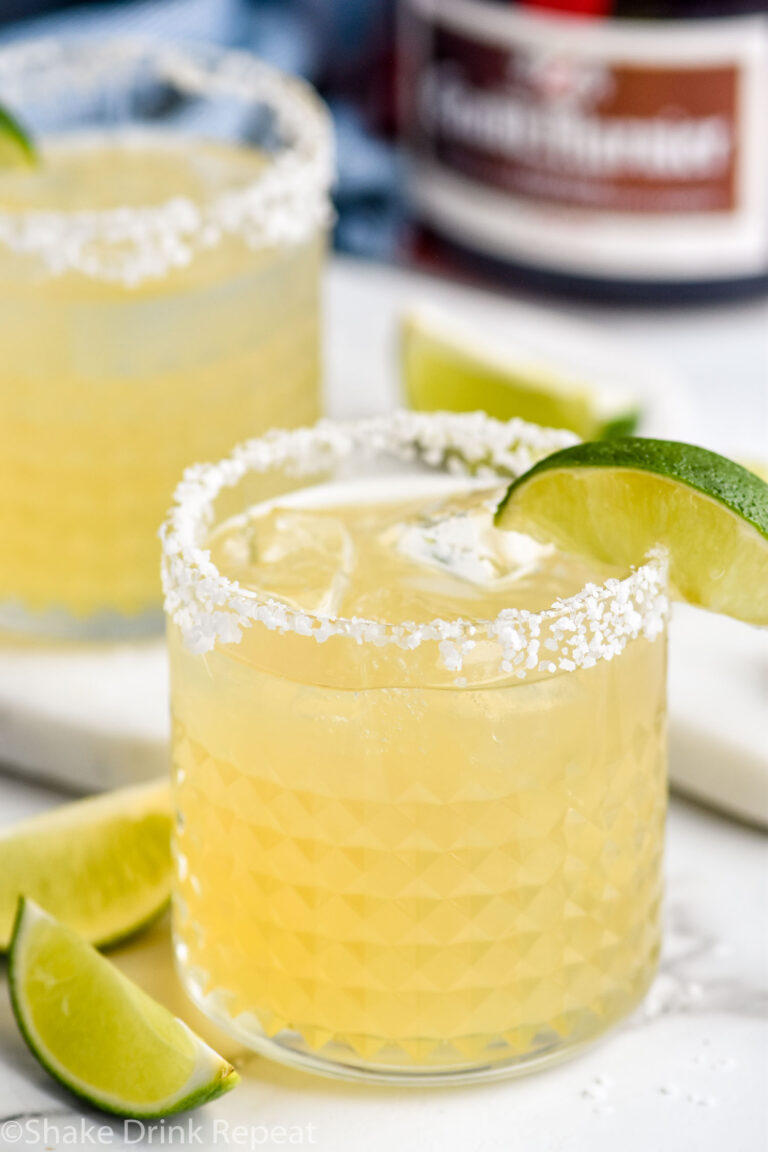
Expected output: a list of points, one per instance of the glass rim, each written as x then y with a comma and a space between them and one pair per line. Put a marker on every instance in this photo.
209, 607
286, 203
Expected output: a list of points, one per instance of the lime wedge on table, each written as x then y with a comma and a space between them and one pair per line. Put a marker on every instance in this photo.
448, 366
615, 500
98, 1033
101, 865
16, 147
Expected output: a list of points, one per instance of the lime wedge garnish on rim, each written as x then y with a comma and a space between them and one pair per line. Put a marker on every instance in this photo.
98, 1033
16, 147
449, 366
615, 500
101, 865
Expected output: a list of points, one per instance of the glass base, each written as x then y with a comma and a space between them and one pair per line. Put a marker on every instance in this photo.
59, 624
339, 1062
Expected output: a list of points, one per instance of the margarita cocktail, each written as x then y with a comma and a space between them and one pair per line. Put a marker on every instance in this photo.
419, 762
159, 284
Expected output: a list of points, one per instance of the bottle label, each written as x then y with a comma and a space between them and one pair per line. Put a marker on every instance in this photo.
622, 148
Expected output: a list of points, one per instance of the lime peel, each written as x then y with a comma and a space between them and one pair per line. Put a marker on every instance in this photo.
98, 1033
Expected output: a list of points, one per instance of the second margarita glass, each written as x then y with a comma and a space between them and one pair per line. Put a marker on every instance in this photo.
159, 291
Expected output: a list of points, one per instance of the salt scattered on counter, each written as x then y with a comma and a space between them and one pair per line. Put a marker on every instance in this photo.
598, 1090
701, 1100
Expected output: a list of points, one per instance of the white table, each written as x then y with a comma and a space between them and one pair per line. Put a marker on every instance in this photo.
688, 1071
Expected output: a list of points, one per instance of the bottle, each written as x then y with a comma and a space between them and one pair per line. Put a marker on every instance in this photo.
614, 147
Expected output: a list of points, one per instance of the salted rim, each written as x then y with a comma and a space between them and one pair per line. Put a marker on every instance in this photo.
596, 623
286, 204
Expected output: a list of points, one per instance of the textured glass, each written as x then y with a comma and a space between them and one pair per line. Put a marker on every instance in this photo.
420, 881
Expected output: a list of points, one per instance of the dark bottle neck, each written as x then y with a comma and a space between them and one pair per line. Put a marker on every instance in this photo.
646, 9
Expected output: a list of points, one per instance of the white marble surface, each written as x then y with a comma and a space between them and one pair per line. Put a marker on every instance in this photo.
690, 1070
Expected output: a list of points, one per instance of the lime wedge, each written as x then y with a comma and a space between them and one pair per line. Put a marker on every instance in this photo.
447, 366
616, 500
16, 147
98, 1033
101, 865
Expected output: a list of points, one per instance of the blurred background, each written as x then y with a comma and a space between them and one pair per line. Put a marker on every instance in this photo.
601, 154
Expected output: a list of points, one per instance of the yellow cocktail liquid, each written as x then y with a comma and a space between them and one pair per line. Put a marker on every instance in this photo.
386, 866
110, 387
